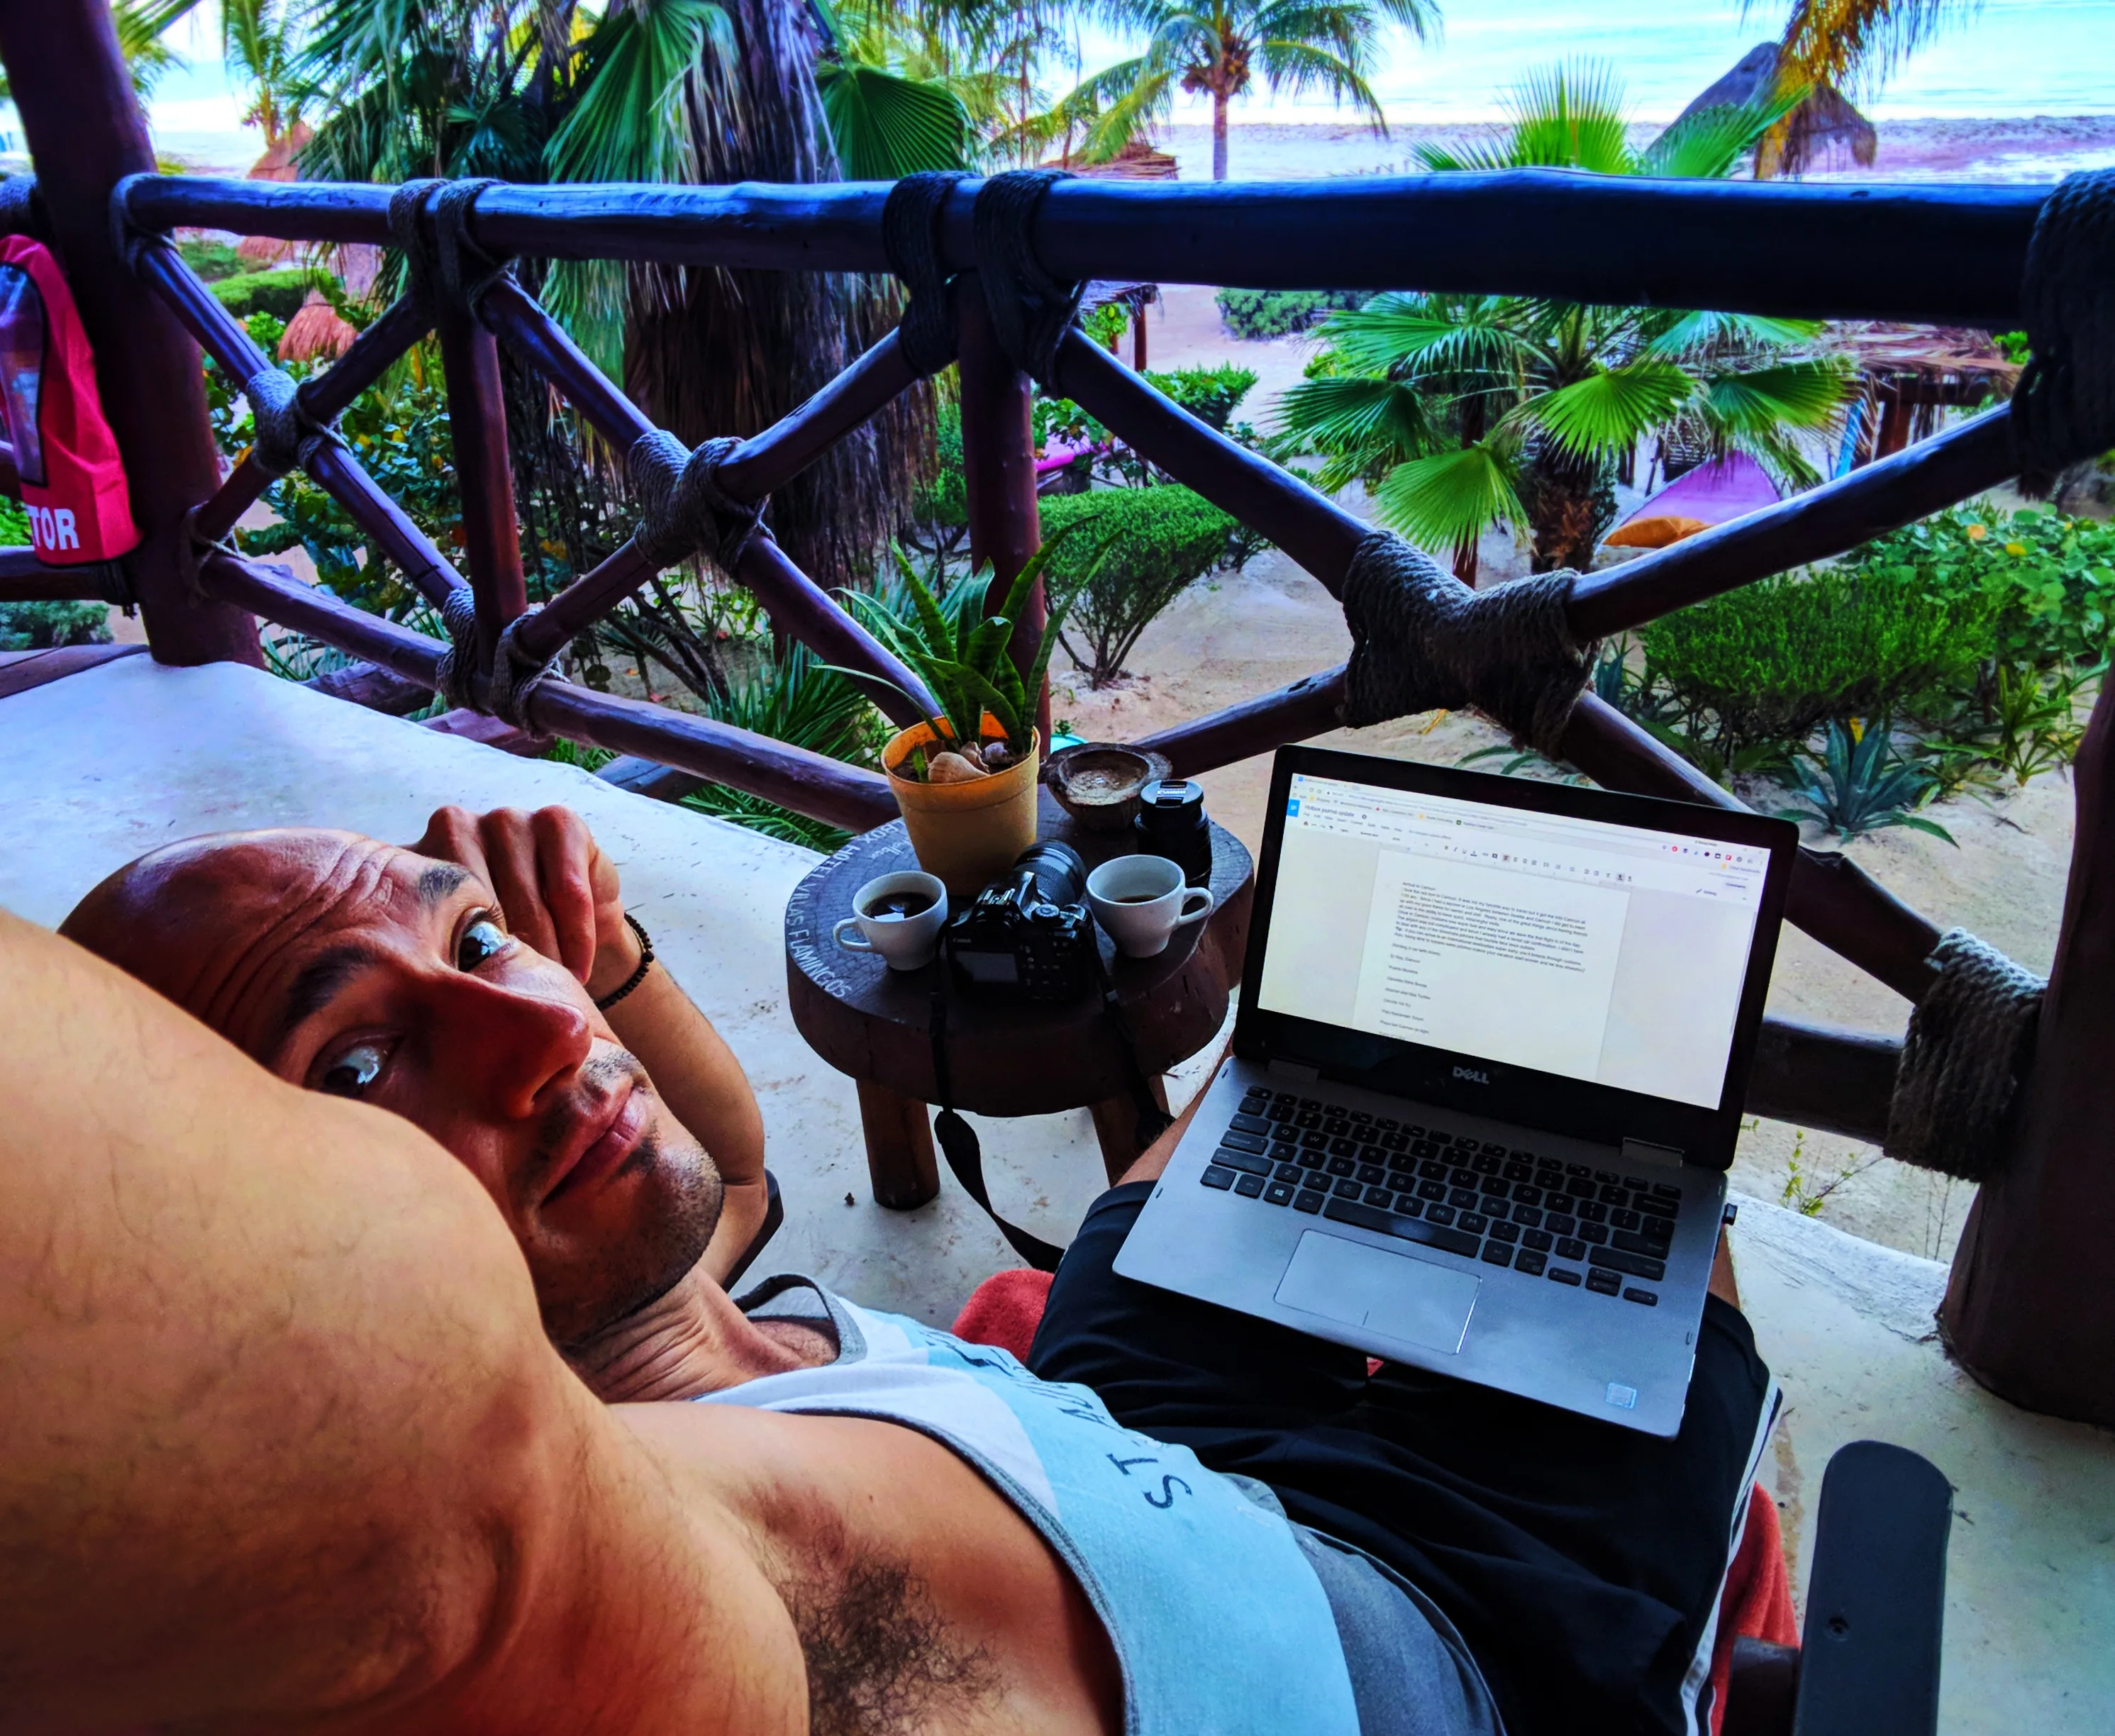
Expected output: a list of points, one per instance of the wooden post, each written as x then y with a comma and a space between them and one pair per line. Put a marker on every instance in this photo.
2029, 1311
899, 1162
1138, 339
477, 425
1897, 414
86, 134
998, 473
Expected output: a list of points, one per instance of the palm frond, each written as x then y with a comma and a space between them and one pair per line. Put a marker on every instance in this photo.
1441, 500
1604, 415
1707, 145
885, 127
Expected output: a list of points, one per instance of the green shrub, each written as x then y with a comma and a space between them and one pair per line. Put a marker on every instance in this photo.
1276, 313
39, 626
280, 291
14, 524
1770, 662
944, 501
2052, 578
1165, 537
211, 260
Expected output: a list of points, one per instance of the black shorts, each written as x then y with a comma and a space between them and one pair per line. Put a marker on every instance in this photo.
1581, 1561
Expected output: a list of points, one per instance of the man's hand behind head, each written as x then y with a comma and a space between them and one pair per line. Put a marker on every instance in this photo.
558, 889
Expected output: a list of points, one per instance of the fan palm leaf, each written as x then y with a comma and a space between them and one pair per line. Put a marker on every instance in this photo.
1445, 499
1606, 414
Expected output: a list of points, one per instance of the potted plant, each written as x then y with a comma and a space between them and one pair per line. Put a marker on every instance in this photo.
965, 778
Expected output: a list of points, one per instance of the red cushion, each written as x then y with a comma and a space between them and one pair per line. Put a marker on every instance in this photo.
1755, 1601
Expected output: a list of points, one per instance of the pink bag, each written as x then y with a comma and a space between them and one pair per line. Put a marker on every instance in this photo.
73, 481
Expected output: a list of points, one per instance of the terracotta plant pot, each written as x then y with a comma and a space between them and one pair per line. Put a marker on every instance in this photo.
968, 834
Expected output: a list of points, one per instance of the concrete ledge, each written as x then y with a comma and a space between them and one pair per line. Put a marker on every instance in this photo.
2031, 1579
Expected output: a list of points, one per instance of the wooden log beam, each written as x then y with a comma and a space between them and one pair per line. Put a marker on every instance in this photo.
998, 476
335, 469
11, 480
1933, 253
1839, 1081
798, 606
274, 593
25, 578
324, 396
1306, 707
767, 461
86, 134
484, 472
2029, 1312
376, 689
813, 784
1838, 515
1317, 533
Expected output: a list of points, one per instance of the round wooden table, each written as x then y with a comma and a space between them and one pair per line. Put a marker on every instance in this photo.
1004, 1059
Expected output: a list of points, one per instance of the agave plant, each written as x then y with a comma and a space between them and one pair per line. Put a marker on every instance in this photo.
962, 652
1859, 784
1458, 411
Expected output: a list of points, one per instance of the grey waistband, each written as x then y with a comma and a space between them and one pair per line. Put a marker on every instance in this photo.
1412, 1675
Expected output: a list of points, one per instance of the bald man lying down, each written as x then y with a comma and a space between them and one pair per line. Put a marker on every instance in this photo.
286, 1443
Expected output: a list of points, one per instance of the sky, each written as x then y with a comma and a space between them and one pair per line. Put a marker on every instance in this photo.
2013, 57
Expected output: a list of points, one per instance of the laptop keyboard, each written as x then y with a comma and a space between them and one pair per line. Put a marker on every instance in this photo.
1592, 1230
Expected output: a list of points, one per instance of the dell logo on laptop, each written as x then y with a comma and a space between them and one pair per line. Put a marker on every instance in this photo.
1474, 1076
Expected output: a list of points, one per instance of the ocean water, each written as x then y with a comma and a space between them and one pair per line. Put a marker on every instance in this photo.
2010, 57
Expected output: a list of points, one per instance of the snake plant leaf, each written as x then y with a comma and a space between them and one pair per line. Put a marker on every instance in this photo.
997, 704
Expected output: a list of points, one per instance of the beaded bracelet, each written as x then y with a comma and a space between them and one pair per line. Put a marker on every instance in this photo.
638, 976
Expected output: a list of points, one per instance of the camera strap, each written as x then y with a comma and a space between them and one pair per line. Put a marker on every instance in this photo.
965, 1155
958, 1140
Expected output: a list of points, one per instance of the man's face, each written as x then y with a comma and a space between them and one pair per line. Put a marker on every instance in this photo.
353, 968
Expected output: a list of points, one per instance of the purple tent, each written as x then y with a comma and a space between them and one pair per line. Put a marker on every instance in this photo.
1728, 487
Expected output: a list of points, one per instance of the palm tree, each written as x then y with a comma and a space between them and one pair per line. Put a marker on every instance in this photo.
657, 90
1461, 410
1845, 45
1218, 46
258, 41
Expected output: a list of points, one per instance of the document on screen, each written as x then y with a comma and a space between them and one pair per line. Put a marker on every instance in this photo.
1516, 967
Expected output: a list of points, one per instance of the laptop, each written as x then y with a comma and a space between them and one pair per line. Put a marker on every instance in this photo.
1486, 1080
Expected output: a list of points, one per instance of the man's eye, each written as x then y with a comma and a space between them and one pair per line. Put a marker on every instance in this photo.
479, 941
350, 1074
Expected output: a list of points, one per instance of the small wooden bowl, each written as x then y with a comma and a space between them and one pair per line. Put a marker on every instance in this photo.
1098, 782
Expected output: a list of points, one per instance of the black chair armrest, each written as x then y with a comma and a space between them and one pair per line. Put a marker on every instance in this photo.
1875, 1608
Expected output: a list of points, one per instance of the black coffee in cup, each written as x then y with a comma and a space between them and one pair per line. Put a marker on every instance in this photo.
900, 904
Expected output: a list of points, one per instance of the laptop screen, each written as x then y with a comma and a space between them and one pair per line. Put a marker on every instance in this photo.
1603, 953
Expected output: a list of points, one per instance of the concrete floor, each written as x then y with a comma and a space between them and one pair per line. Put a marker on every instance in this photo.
100, 766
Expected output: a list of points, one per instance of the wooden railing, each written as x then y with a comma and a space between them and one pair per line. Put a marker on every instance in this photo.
1929, 253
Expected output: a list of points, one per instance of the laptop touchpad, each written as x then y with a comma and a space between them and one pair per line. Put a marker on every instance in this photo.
1398, 1295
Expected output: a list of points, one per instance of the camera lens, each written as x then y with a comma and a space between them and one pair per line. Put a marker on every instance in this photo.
1060, 875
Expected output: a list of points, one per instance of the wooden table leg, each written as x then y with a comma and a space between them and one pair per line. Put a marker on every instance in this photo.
1116, 1125
899, 1147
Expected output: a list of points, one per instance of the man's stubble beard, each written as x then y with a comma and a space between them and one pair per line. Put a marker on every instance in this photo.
633, 1275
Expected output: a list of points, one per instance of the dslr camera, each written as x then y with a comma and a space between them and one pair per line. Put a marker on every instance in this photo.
1027, 935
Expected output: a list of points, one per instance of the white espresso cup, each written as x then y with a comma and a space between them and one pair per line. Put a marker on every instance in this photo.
905, 943
1141, 901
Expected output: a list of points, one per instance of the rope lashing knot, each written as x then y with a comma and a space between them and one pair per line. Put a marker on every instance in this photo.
2063, 409
457, 671
288, 436
911, 237
515, 674
454, 267
683, 510
1969, 1042
1422, 641
1030, 309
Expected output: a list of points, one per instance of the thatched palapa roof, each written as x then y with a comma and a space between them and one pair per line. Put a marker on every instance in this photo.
1825, 126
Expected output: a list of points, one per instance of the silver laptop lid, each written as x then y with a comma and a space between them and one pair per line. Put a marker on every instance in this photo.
1565, 958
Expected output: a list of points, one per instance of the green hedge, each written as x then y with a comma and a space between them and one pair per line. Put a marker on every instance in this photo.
1165, 539
280, 292
211, 260
1276, 313
1774, 661
38, 626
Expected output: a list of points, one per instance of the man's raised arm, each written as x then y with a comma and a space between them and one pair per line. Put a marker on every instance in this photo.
281, 1441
